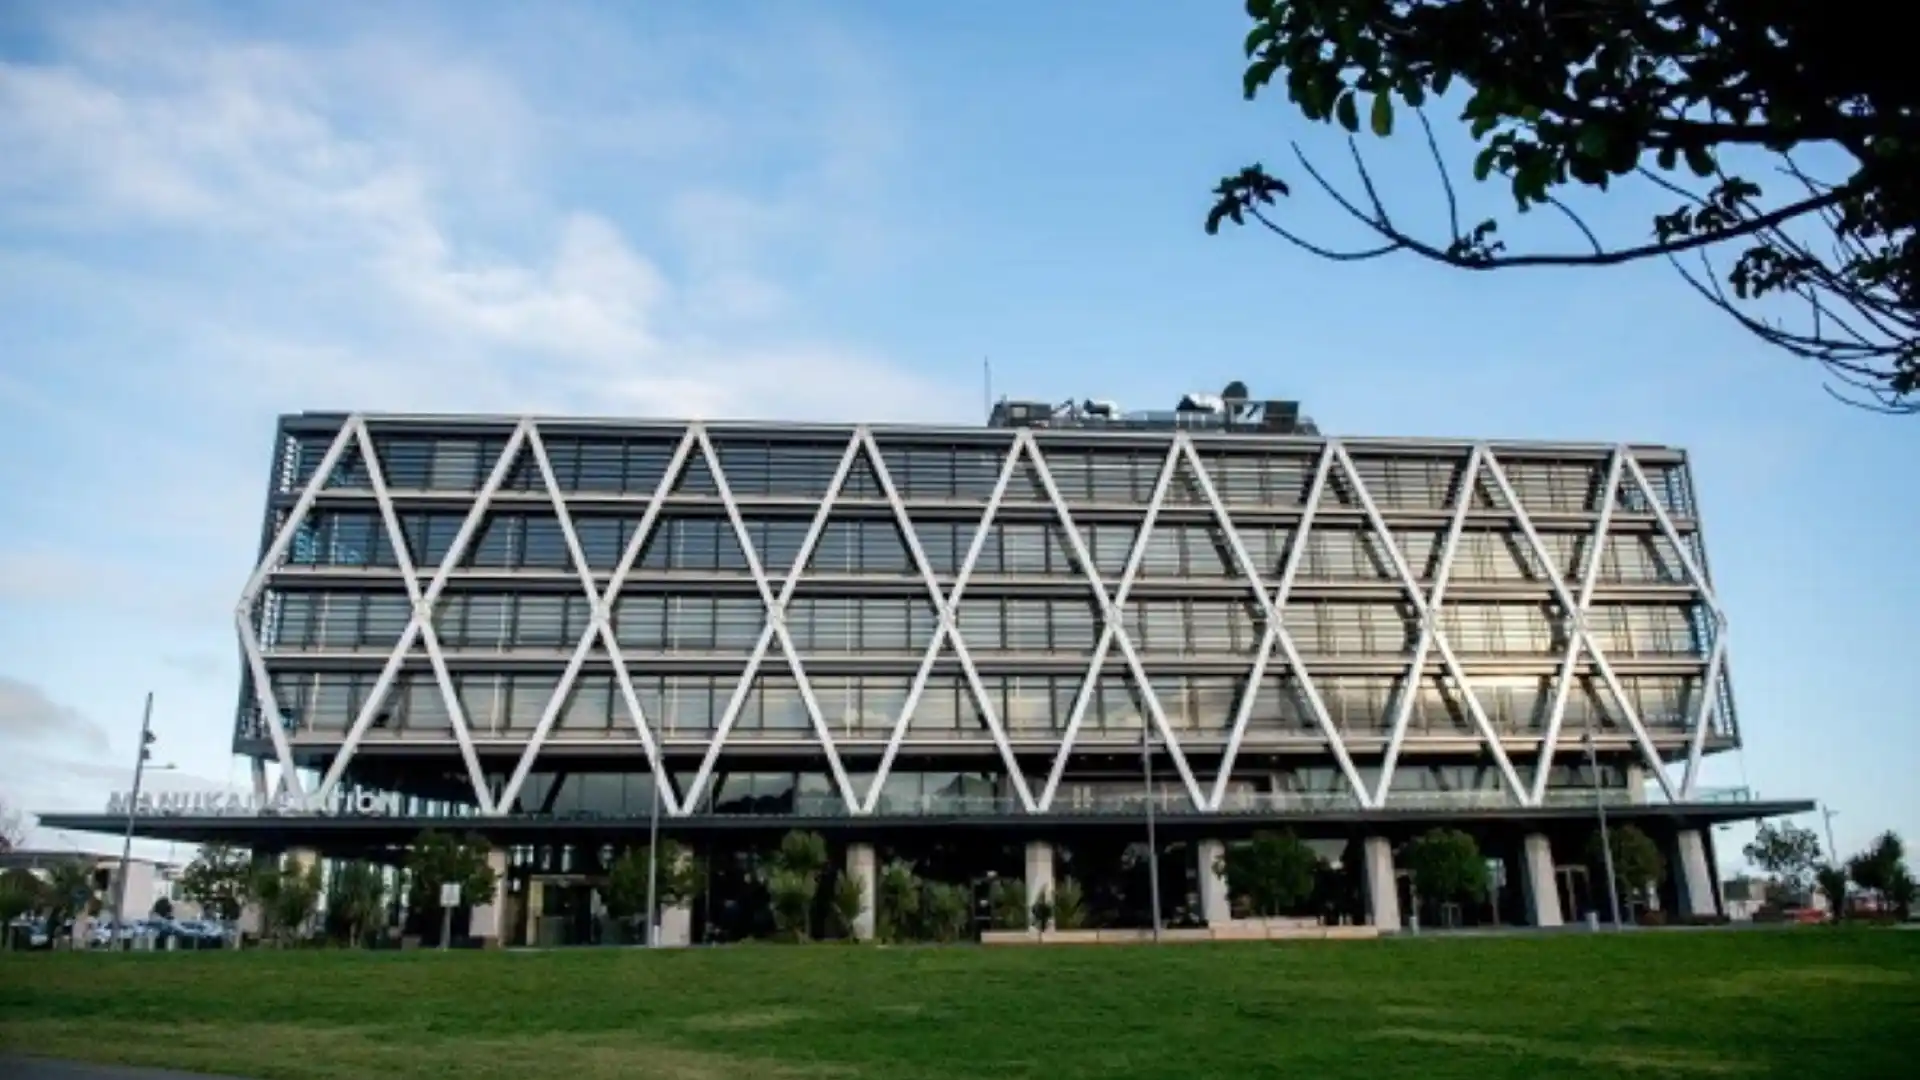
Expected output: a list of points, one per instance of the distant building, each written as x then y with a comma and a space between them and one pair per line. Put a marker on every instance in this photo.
148, 881
1744, 897
952, 645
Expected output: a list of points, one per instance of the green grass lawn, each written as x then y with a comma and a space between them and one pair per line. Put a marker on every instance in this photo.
1800, 1003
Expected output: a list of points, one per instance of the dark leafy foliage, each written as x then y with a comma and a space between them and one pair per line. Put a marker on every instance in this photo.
1274, 871
217, 880
1882, 869
1789, 854
437, 859
1447, 866
1561, 95
1637, 862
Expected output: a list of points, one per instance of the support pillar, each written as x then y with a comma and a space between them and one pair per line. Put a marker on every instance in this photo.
861, 866
253, 921
304, 861
1383, 892
1538, 883
485, 921
1215, 906
1039, 873
676, 920
676, 925
1693, 876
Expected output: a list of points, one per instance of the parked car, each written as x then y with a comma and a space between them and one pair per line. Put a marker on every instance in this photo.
28, 932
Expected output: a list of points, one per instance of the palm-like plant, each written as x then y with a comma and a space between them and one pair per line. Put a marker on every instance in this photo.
899, 902
949, 911
356, 900
288, 895
1008, 902
71, 890
849, 903
1069, 905
794, 879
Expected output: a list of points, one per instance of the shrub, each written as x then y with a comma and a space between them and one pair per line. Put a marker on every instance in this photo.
949, 911
1008, 904
849, 903
1069, 905
1274, 871
898, 902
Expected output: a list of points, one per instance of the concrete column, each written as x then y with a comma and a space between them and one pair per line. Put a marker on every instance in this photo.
1215, 906
536, 910
485, 921
252, 922
1039, 872
1383, 893
861, 864
676, 920
1538, 882
676, 925
1694, 875
1637, 783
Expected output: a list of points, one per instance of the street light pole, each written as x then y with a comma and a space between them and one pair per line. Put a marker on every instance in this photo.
1827, 814
653, 867
1606, 838
1153, 844
133, 805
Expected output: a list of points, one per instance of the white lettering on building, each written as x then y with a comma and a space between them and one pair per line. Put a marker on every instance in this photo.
235, 804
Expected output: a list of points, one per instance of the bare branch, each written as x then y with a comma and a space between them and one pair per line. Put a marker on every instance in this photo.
1446, 181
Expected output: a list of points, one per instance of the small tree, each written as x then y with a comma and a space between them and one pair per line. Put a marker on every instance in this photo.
849, 903
20, 894
1069, 905
1789, 855
289, 895
1007, 904
1637, 863
71, 890
1881, 868
791, 894
1832, 881
1274, 871
949, 911
1042, 911
13, 827
1447, 866
356, 901
1901, 893
803, 853
678, 877
217, 880
438, 859
795, 880
899, 902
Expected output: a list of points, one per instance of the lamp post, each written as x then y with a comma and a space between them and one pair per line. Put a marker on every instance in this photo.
1153, 845
1606, 839
653, 866
133, 808
1827, 814
653, 838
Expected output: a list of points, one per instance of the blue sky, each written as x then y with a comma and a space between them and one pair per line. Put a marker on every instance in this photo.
211, 214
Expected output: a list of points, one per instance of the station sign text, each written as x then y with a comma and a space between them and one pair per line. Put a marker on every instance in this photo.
234, 804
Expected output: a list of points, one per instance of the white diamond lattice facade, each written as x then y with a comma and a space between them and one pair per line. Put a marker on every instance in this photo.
489, 611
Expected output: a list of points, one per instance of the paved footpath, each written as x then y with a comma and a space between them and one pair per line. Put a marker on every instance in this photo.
32, 1068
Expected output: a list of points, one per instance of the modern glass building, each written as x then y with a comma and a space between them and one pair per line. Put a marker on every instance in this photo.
986, 649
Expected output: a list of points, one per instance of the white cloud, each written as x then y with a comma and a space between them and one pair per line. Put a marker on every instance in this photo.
288, 156
29, 716
201, 228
